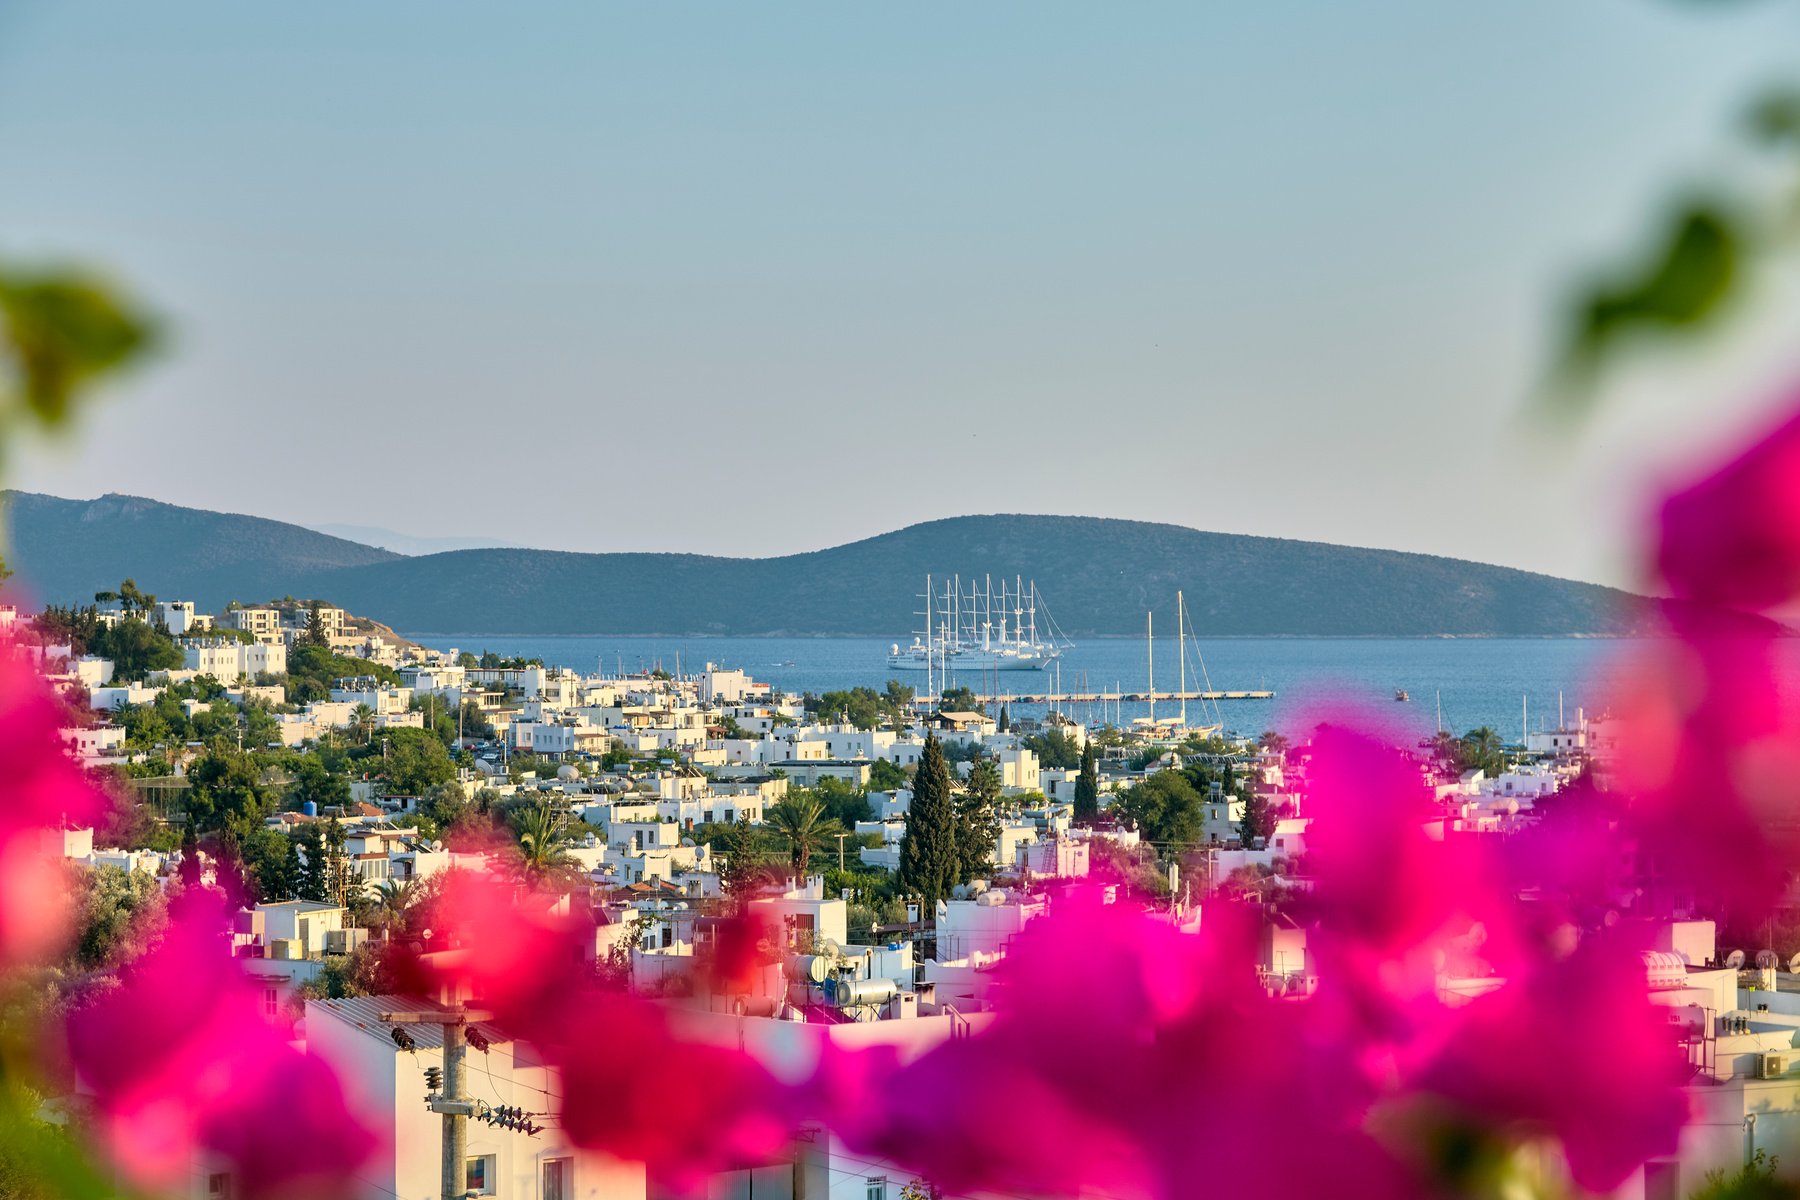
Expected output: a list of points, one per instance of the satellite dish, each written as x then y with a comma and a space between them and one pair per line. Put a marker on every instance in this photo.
1735, 960
829, 948
1794, 964
1766, 959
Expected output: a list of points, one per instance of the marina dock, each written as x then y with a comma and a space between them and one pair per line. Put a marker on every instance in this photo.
1115, 697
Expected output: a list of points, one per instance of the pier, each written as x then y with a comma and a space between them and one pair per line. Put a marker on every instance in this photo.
1115, 697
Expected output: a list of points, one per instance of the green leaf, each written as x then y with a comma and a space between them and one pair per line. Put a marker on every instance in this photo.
1680, 288
59, 332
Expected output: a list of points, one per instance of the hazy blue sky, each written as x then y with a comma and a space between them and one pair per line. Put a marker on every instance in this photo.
761, 278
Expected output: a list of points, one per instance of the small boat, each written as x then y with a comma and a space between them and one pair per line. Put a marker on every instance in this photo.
1400, 695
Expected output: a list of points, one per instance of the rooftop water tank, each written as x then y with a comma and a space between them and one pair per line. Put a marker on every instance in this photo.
849, 993
808, 968
310, 808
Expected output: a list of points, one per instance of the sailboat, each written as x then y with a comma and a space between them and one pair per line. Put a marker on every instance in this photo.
1176, 726
970, 631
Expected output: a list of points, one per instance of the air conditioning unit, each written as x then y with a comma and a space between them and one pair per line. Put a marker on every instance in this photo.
1774, 1065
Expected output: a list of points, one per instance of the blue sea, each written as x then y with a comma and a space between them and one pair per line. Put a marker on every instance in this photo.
1505, 683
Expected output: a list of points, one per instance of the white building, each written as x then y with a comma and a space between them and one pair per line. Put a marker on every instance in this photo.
180, 617
806, 910
229, 660
258, 622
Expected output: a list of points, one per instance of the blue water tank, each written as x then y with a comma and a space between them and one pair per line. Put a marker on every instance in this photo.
310, 808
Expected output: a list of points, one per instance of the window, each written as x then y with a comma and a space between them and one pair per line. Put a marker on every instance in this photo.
557, 1179
218, 1187
668, 936
480, 1175
271, 1002
877, 1188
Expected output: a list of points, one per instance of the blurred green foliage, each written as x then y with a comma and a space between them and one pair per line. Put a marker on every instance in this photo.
1682, 283
1696, 266
60, 331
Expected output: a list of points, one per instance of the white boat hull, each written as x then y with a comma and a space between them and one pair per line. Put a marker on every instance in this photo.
972, 663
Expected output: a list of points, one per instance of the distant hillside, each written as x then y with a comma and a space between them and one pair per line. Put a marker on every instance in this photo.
1098, 576
405, 543
66, 550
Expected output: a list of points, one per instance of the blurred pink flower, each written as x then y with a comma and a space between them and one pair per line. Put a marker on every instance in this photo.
1394, 903
43, 789
529, 961
1709, 745
721, 1110
1160, 1061
182, 1064
1733, 538
1506, 1060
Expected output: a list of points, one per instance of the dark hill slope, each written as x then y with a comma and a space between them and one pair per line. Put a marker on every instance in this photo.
66, 550
1098, 576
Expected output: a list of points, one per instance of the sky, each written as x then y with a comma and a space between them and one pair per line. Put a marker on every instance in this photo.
757, 279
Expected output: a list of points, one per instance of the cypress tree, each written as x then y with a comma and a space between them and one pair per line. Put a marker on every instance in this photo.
1258, 820
190, 857
1005, 720
928, 858
978, 822
312, 882
1087, 786
315, 629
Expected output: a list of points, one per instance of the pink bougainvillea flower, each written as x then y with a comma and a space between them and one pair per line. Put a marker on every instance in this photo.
1159, 1062
1506, 1059
742, 951
514, 951
1712, 735
44, 786
43, 789
529, 960
1394, 903
1709, 745
720, 1110
182, 1064
1733, 538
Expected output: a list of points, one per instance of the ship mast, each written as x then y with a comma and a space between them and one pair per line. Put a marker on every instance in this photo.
928, 615
1150, 650
1018, 606
987, 616
1181, 653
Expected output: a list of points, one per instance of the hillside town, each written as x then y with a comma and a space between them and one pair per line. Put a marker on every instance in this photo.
329, 779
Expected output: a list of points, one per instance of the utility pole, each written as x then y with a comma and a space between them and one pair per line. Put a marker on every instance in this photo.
840, 838
451, 1102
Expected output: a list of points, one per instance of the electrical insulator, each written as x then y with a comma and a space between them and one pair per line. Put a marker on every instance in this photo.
434, 1078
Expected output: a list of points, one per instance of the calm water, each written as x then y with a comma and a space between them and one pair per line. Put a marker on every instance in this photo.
1482, 681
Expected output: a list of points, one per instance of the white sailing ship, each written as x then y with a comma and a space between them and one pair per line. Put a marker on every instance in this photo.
971, 630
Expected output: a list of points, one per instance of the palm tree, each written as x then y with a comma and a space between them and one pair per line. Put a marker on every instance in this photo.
544, 845
1484, 748
392, 899
802, 821
364, 718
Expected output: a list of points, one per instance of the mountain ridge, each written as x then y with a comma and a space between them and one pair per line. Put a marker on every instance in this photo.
1098, 574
